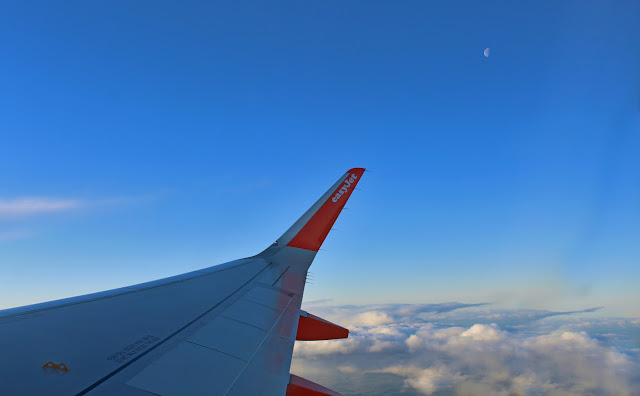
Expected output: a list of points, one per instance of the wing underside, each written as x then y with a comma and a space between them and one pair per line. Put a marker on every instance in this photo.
224, 330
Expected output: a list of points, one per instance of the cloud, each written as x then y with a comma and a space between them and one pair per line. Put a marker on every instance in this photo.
22, 210
372, 315
347, 369
444, 350
426, 380
19, 207
480, 332
371, 318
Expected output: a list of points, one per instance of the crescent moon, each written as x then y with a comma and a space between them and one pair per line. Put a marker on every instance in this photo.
486, 52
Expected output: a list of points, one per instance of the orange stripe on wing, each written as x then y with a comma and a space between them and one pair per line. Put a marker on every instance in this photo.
313, 234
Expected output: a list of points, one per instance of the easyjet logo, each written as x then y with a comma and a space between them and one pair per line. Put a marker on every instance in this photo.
348, 182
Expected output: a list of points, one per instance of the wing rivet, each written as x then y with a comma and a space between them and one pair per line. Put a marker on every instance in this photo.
60, 366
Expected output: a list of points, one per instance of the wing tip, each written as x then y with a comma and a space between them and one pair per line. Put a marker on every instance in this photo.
316, 229
310, 231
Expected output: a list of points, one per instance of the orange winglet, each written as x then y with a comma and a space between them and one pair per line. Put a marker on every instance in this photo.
299, 386
60, 366
313, 328
315, 231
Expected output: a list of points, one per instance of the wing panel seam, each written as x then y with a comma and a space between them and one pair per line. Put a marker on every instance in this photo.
283, 272
259, 346
116, 371
217, 350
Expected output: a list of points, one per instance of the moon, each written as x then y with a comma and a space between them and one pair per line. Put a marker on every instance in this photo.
486, 52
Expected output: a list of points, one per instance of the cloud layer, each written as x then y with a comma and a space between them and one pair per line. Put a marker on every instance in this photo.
437, 349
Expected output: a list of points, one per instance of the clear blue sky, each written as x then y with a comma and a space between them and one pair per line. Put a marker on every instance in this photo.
144, 139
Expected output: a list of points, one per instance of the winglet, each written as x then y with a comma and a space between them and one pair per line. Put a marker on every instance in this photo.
314, 328
310, 231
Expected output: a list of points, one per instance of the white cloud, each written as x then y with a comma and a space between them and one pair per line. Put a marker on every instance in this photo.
27, 206
522, 364
371, 318
425, 380
481, 332
347, 369
450, 354
315, 348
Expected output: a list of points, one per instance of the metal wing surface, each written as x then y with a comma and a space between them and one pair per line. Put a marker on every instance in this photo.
223, 330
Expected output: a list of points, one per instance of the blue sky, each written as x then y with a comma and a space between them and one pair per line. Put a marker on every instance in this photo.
143, 140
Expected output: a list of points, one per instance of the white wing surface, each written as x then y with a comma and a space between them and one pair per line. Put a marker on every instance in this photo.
223, 330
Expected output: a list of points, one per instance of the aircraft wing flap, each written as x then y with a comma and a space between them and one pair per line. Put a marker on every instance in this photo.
189, 369
269, 296
253, 314
268, 372
229, 336
243, 348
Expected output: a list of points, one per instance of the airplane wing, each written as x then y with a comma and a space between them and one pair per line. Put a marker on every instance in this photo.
223, 330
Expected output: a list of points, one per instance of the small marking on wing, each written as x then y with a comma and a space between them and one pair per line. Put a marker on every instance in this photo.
133, 349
